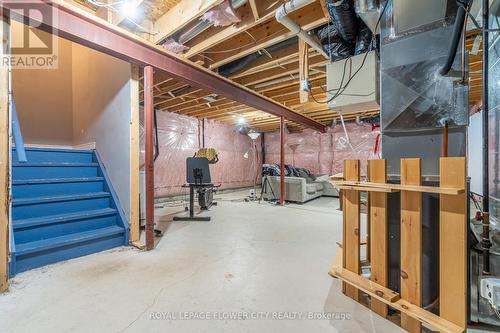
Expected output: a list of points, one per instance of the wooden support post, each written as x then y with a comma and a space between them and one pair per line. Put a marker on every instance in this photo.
377, 172
350, 235
149, 159
453, 243
134, 156
303, 69
411, 241
4, 162
282, 161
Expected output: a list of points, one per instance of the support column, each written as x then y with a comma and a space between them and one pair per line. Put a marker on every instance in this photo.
282, 160
149, 162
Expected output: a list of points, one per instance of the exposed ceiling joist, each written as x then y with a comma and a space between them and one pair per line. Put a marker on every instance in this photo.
86, 29
209, 39
263, 36
180, 16
255, 9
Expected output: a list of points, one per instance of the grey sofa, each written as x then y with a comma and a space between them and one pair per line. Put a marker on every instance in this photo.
297, 189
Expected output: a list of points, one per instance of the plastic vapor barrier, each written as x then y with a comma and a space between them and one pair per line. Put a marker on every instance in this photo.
180, 137
324, 153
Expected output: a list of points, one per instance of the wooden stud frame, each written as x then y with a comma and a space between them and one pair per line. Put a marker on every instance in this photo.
4, 165
411, 240
452, 243
350, 236
377, 172
134, 156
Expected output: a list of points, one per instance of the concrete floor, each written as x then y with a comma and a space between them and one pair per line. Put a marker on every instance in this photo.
258, 260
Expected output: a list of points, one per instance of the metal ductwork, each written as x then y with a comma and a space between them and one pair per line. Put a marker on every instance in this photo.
281, 17
368, 11
344, 19
237, 65
185, 36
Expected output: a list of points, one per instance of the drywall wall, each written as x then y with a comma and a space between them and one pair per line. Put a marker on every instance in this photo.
180, 137
324, 153
44, 99
101, 113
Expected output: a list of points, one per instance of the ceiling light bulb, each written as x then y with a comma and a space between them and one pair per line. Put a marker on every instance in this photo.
253, 135
241, 120
129, 8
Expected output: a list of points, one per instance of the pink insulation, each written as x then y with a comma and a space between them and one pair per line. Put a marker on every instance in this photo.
179, 139
233, 170
324, 153
222, 15
175, 47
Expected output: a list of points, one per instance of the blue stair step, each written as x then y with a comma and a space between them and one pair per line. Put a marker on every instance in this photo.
38, 228
32, 170
28, 188
44, 252
55, 155
24, 208
62, 208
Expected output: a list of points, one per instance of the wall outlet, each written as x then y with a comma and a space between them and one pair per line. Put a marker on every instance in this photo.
490, 289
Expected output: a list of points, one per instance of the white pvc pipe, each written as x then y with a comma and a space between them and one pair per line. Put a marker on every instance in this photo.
281, 17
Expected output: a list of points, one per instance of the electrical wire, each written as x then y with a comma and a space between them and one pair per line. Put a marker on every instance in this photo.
473, 19
342, 88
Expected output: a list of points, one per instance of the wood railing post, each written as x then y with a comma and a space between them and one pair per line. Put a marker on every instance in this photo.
453, 243
149, 156
377, 173
351, 214
4, 160
411, 241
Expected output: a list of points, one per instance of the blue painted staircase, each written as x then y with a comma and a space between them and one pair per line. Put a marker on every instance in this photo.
63, 207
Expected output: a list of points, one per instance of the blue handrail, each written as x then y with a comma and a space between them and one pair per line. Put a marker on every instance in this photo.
18, 136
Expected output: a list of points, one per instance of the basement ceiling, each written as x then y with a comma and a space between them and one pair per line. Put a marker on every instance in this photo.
274, 74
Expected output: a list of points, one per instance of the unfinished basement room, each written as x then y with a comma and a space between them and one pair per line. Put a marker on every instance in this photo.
250, 166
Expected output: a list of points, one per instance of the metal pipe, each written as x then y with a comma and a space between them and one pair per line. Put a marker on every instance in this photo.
149, 158
485, 237
282, 160
281, 17
263, 148
203, 133
445, 140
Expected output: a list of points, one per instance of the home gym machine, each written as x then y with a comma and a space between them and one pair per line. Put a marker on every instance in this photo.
198, 180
